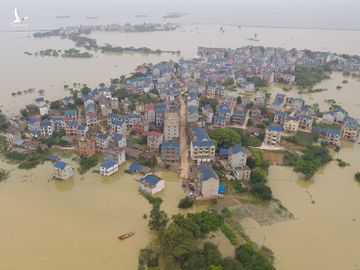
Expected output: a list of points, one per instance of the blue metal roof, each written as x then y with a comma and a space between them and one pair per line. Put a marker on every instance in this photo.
223, 151
236, 149
117, 123
135, 166
102, 136
108, 164
60, 165
219, 118
202, 143
53, 157
150, 179
275, 128
170, 144
206, 172
326, 131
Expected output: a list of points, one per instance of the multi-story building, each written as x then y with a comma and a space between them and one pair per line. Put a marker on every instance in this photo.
291, 125
280, 118
219, 121
108, 167
102, 141
170, 152
305, 123
202, 148
273, 135
71, 128
171, 125
160, 114
329, 136
118, 127
85, 148
149, 113
46, 129
154, 140
207, 180
90, 119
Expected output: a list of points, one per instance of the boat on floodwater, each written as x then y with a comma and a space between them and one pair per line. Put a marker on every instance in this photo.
126, 236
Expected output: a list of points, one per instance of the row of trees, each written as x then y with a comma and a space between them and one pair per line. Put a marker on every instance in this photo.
309, 161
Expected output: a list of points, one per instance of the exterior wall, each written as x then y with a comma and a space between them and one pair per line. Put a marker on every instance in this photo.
63, 174
202, 154
210, 187
272, 138
237, 160
159, 187
109, 171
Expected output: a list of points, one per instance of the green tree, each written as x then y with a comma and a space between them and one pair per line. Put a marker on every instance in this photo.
225, 137
252, 259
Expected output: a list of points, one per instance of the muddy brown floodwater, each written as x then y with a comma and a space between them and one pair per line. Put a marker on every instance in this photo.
46, 224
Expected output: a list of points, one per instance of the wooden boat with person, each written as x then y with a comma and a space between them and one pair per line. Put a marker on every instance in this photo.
126, 235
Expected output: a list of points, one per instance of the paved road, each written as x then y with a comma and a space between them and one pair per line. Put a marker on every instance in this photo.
184, 150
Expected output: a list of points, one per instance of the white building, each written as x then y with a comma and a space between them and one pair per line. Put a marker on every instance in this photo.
109, 167
151, 183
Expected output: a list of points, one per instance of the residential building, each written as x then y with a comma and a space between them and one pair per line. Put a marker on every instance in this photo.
119, 140
171, 125
291, 125
219, 121
81, 131
170, 152
118, 127
71, 128
154, 140
329, 136
273, 135
90, 119
108, 167
46, 129
151, 183
202, 148
208, 181
102, 141
150, 113
62, 170
85, 148
305, 123
280, 118
160, 114
351, 132
237, 157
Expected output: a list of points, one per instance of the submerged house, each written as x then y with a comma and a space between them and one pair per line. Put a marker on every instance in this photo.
62, 170
151, 183
109, 167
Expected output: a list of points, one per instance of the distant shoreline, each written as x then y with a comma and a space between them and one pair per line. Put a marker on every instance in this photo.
219, 24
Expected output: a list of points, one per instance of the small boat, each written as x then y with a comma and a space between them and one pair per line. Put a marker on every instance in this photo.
126, 236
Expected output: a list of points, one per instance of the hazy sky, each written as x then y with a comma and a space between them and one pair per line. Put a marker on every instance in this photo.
340, 13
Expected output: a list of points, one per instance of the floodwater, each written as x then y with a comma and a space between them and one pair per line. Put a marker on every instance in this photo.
324, 235
74, 224
20, 72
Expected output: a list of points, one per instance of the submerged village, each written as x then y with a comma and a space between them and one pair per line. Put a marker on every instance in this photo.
211, 119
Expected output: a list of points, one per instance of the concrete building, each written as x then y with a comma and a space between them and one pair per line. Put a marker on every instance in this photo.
170, 152
208, 181
62, 170
109, 167
171, 126
151, 184
273, 135
154, 140
202, 148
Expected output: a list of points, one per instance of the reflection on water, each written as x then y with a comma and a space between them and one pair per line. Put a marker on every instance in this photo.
65, 185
